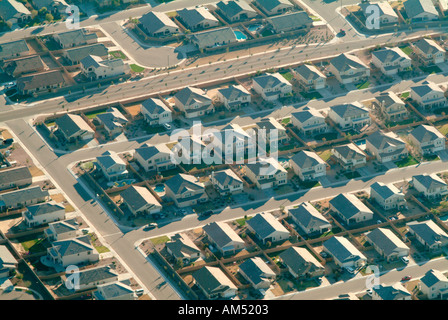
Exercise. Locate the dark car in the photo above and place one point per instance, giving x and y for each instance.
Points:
(207, 213)
(8, 141)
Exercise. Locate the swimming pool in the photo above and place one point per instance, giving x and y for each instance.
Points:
(159, 188)
(254, 27)
(239, 35)
(360, 142)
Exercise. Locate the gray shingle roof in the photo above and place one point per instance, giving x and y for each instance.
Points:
(214, 37)
(96, 275)
(349, 110)
(288, 21)
(109, 159)
(383, 141)
(75, 37)
(44, 208)
(428, 46)
(350, 152)
(24, 65)
(233, 8)
(429, 231)
(416, 7)
(300, 260)
(227, 177)
(211, 278)
(138, 197)
(307, 159)
(385, 190)
(61, 227)
(305, 115)
(71, 124)
(77, 54)
(221, 233)
(269, 81)
(308, 216)
(394, 292)
(40, 80)
(348, 205)
(189, 95)
(425, 133)
(11, 8)
(390, 55)
(264, 224)
(181, 246)
(343, 250)
(386, 240)
(12, 175)
(154, 21)
(182, 183)
(155, 106)
(13, 48)
(433, 277)
(345, 62)
(272, 4)
(309, 72)
(193, 17)
(425, 88)
(73, 246)
(429, 181)
(113, 290)
(22, 195)
(234, 92)
(256, 270)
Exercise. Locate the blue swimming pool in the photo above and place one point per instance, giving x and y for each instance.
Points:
(254, 27)
(360, 142)
(159, 188)
(239, 35)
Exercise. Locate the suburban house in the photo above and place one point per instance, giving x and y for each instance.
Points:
(223, 237)
(194, 102)
(387, 244)
(22, 198)
(308, 165)
(158, 24)
(185, 190)
(75, 55)
(429, 51)
(301, 264)
(428, 96)
(391, 60)
(272, 7)
(75, 38)
(73, 127)
(8, 263)
(43, 82)
(74, 251)
(197, 18)
(391, 106)
(257, 273)
(309, 219)
(16, 177)
(309, 122)
(14, 11)
(434, 284)
(154, 158)
(387, 196)
(266, 173)
(350, 209)
(43, 213)
(139, 200)
(236, 10)
(183, 249)
(427, 139)
(13, 49)
(309, 77)
(267, 228)
(344, 252)
(54, 6)
(95, 68)
(350, 115)
(386, 146)
(421, 10)
(349, 69)
(226, 182)
(214, 283)
(213, 38)
(429, 234)
(271, 86)
(114, 291)
(23, 65)
(91, 278)
(271, 131)
(62, 230)
(387, 15)
(113, 121)
(290, 22)
(394, 292)
(443, 5)
(112, 166)
(156, 112)
(349, 156)
(234, 97)
(432, 186)
(189, 150)
(232, 141)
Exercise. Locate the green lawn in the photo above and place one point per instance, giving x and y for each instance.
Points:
(328, 136)
(311, 95)
(92, 115)
(287, 75)
(405, 95)
(309, 184)
(325, 155)
(443, 129)
(286, 121)
(407, 49)
(118, 55)
(242, 221)
(137, 68)
(363, 85)
(34, 245)
(160, 240)
(409, 161)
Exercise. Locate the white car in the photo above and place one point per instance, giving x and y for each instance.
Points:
(405, 259)
(369, 292)
(350, 270)
(167, 126)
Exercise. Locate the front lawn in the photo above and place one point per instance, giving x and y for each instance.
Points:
(406, 162)
(309, 184)
(363, 85)
(137, 68)
(118, 55)
(243, 220)
(160, 240)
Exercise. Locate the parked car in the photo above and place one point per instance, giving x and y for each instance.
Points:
(139, 292)
(167, 126)
(405, 259)
(350, 270)
(150, 226)
(406, 278)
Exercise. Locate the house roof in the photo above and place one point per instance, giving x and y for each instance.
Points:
(424, 133)
(73, 246)
(388, 99)
(349, 110)
(181, 246)
(214, 37)
(64, 226)
(77, 54)
(211, 278)
(300, 260)
(290, 20)
(386, 240)
(272, 4)
(147, 151)
(109, 158)
(96, 275)
(45, 208)
(221, 234)
(75, 37)
(256, 270)
(6, 257)
(233, 92)
(71, 124)
(22, 195)
(10, 8)
(385, 190)
(113, 290)
(40, 80)
(415, 7)
(190, 95)
(433, 277)
(227, 177)
(265, 224)
(270, 81)
(349, 152)
(348, 205)
(343, 250)
(182, 183)
(153, 21)
(307, 159)
(112, 119)
(12, 175)
(393, 292)
(270, 124)
(425, 88)
(384, 7)
(383, 140)
(308, 216)
(430, 181)
(307, 114)
(268, 166)
(9, 49)
(193, 17)
(309, 72)
(137, 197)
(391, 55)
(155, 106)
(24, 65)
(48, 3)
(345, 62)
(428, 230)
(428, 46)
(96, 62)
(234, 7)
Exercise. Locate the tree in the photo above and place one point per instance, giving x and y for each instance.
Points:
(34, 13)
(49, 17)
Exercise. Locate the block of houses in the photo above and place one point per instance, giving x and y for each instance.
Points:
(112, 166)
(139, 200)
(62, 230)
(234, 97)
(156, 112)
(16, 177)
(391, 60)
(434, 284)
(183, 249)
(74, 251)
(75, 55)
(267, 228)
(394, 292)
(266, 173)
(158, 24)
(431, 185)
(310, 78)
(53, 6)
(223, 237)
(309, 122)
(194, 102)
(387, 15)
(257, 273)
(113, 121)
(349, 156)
(43, 213)
(14, 11)
(23, 198)
(271, 130)
(308, 165)
(350, 115)
(43, 82)
(348, 68)
(429, 234)
(387, 244)
(427, 139)
(386, 146)
(73, 127)
(95, 68)
(272, 7)
(214, 283)
(301, 264)
(114, 291)
(429, 51)
(24, 65)
(154, 158)
(421, 10)
(271, 86)
(391, 106)
(236, 10)
(344, 252)
(428, 96)
(226, 182)
(8, 264)
(91, 278)
(13, 49)
(290, 22)
(309, 219)
(213, 38)
(197, 18)
(185, 190)
(387, 196)
(350, 208)
(75, 38)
